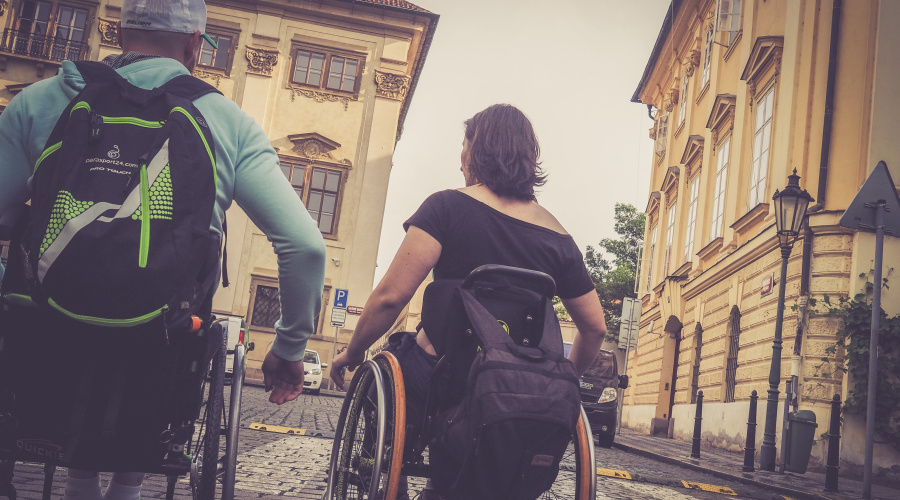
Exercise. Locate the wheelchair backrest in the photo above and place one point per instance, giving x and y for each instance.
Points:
(518, 298)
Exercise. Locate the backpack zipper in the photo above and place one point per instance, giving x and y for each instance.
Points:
(145, 217)
(94, 320)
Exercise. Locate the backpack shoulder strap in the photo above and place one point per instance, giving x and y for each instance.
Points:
(95, 71)
(189, 87)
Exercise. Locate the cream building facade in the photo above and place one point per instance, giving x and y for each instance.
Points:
(742, 93)
(330, 82)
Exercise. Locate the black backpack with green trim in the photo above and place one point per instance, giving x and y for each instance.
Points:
(121, 203)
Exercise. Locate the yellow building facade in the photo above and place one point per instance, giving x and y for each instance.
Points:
(742, 93)
(330, 82)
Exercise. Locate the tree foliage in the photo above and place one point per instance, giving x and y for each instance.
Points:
(613, 267)
(852, 349)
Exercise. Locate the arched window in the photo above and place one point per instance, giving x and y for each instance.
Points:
(734, 335)
(695, 376)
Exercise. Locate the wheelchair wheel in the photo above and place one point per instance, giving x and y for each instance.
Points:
(233, 421)
(577, 471)
(204, 465)
(368, 450)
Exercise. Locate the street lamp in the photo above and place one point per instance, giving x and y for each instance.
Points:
(790, 209)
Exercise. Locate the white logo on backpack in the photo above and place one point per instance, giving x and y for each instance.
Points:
(114, 152)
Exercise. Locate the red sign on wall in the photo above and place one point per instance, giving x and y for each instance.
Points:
(768, 283)
(354, 310)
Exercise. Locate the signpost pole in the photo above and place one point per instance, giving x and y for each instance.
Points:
(333, 354)
(624, 372)
(630, 323)
(869, 212)
(873, 346)
(338, 317)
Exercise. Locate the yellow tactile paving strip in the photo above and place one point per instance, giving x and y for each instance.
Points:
(278, 428)
(621, 474)
(613, 473)
(725, 490)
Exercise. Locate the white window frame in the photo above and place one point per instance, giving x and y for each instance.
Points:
(718, 213)
(670, 237)
(707, 56)
(651, 250)
(692, 218)
(728, 18)
(684, 99)
(662, 130)
(762, 142)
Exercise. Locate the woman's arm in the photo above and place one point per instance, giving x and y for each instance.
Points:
(587, 313)
(416, 256)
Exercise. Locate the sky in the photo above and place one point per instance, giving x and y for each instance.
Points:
(572, 67)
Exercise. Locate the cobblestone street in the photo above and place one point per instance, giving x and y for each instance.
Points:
(276, 465)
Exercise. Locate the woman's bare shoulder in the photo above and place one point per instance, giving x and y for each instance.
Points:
(546, 219)
(528, 211)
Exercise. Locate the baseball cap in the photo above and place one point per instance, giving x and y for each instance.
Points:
(178, 16)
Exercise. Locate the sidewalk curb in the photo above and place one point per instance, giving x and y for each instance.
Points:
(726, 475)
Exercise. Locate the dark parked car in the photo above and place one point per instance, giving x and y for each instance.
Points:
(600, 386)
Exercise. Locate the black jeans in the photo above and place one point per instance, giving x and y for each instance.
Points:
(417, 366)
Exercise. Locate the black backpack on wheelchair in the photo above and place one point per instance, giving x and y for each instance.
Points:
(503, 419)
(509, 399)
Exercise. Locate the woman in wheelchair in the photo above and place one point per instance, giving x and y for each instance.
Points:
(494, 219)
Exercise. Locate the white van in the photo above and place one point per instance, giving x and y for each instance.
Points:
(312, 372)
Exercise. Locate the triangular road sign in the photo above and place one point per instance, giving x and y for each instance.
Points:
(878, 187)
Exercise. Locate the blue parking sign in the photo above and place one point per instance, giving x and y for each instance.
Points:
(340, 298)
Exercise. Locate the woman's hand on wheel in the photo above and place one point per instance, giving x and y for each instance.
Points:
(341, 363)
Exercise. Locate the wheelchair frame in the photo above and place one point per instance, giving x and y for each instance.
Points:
(351, 476)
(199, 457)
(345, 474)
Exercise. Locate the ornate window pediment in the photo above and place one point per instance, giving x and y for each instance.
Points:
(670, 183)
(722, 110)
(693, 153)
(721, 119)
(765, 57)
(316, 147)
(766, 51)
(653, 203)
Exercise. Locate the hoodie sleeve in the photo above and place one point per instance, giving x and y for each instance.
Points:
(25, 126)
(15, 168)
(259, 187)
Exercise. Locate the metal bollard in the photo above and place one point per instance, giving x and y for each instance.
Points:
(698, 417)
(834, 447)
(750, 448)
(786, 427)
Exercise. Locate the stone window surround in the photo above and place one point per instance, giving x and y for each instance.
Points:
(329, 51)
(264, 277)
(315, 150)
(225, 28)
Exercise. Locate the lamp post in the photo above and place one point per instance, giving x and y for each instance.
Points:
(790, 209)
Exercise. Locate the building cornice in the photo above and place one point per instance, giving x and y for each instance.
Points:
(661, 39)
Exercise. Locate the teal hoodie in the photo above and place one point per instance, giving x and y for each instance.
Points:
(248, 174)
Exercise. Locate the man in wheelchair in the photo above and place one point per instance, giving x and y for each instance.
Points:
(122, 392)
(493, 220)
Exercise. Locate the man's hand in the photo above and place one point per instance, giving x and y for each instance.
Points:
(283, 378)
(340, 364)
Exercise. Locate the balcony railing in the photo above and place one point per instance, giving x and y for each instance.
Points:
(42, 46)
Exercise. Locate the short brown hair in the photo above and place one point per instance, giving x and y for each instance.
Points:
(504, 152)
